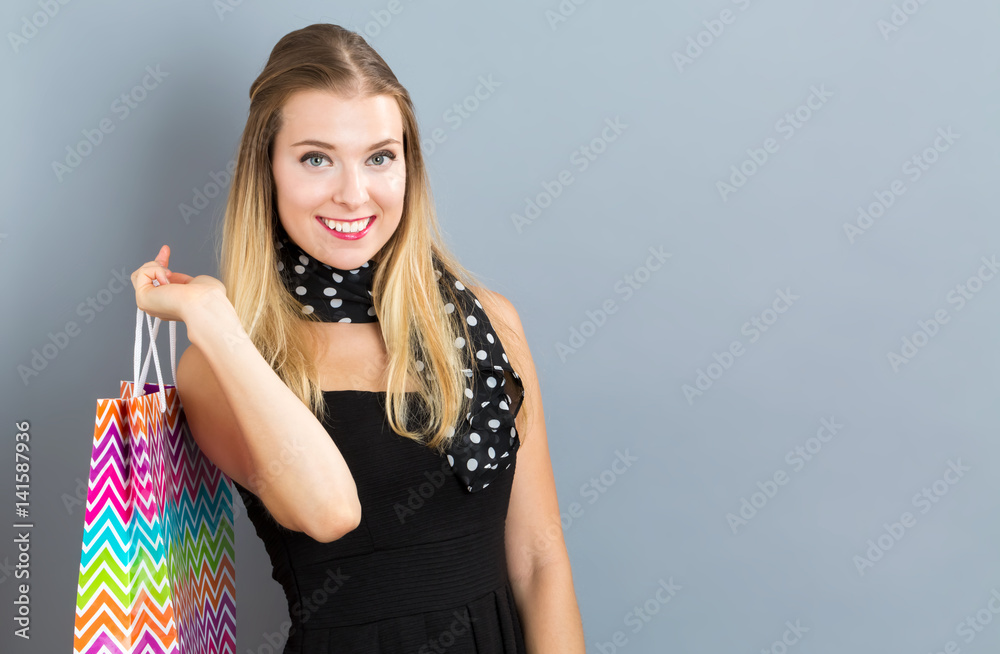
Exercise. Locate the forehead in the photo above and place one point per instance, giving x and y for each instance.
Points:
(348, 123)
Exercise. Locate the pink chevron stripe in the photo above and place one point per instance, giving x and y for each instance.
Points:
(106, 498)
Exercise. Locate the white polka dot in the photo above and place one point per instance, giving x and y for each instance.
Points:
(491, 382)
(300, 269)
(449, 432)
(478, 305)
(513, 432)
(489, 337)
(472, 464)
(494, 423)
(459, 285)
(329, 290)
(492, 453)
(448, 308)
(307, 309)
(459, 342)
(344, 320)
(451, 460)
(371, 311)
(503, 405)
(437, 274)
(301, 290)
(474, 437)
(281, 266)
(304, 259)
(471, 320)
(338, 278)
(481, 354)
(486, 484)
(468, 393)
(420, 366)
(504, 355)
(336, 302)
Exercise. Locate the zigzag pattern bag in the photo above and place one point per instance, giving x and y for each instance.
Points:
(157, 566)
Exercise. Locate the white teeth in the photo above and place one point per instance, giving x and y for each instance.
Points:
(347, 228)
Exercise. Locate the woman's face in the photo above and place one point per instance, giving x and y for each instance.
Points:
(338, 163)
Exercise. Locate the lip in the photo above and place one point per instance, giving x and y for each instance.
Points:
(348, 237)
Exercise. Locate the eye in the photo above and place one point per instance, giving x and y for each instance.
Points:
(313, 155)
(383, 155)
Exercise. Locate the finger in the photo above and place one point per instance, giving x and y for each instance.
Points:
(163, 256)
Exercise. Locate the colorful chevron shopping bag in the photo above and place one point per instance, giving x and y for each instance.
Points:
(157, 567)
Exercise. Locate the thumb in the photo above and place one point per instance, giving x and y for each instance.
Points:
(163, 256)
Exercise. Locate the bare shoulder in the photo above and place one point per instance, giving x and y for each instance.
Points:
(497, 305)
(501, 309)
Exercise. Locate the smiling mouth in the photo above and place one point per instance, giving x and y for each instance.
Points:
(353, 226)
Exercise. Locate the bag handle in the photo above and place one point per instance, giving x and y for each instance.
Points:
(140, 378)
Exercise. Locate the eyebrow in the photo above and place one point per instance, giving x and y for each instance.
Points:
(328, 146)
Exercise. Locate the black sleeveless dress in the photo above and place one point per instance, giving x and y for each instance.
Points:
(425, 571)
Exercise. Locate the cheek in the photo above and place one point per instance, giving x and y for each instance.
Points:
(391, 189)
(296, 189)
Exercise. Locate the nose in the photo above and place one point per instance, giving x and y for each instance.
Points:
(350, 189)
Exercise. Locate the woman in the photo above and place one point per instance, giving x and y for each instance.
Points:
(363, 395)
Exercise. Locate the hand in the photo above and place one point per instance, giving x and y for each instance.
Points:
(168, 295)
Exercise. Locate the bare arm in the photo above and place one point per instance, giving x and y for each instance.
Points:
(537, 559)
(257, 431)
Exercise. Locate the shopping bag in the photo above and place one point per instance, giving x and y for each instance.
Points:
(157, 563)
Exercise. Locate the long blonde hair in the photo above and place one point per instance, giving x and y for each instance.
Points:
(407, 297)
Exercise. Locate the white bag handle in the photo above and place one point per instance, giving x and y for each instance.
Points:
(140, 378)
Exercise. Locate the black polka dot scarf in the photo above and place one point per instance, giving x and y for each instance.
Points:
(487, 438)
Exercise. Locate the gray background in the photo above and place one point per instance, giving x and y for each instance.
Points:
(655, 185)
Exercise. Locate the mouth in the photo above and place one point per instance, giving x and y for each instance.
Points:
(351, 230)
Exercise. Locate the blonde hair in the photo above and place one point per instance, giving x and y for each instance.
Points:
(407, 297)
